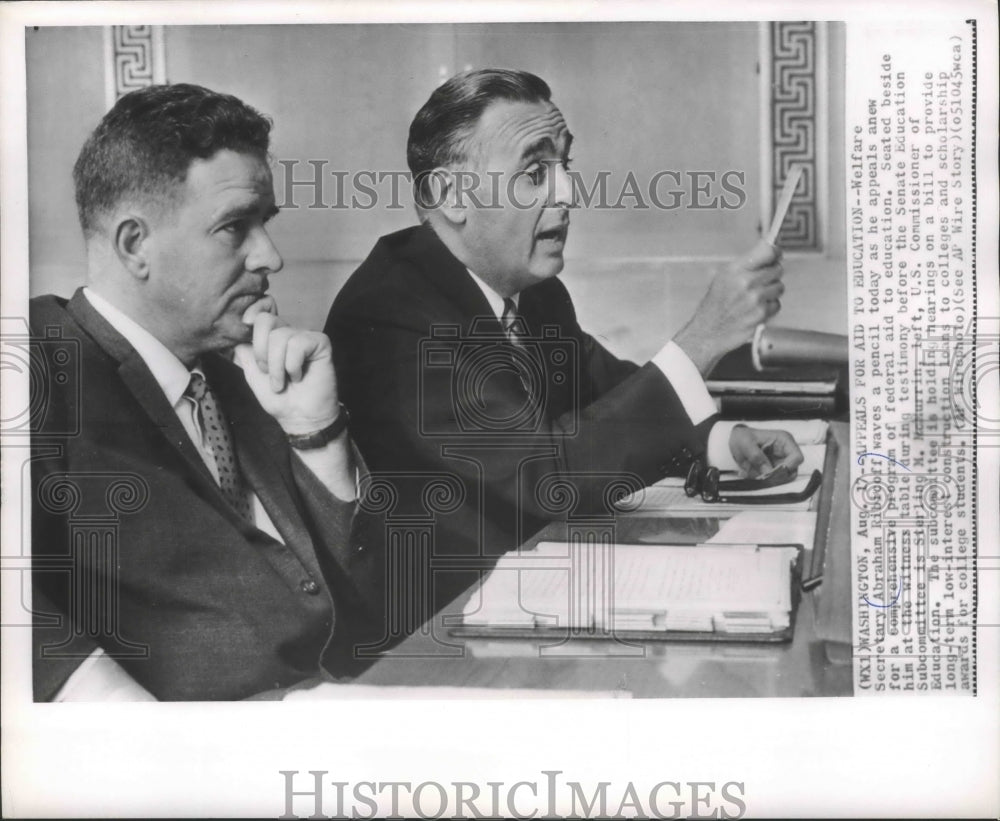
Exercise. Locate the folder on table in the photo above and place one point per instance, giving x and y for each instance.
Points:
(707, 592)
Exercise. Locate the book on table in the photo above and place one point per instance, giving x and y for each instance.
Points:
(740, 390)
(735, 374)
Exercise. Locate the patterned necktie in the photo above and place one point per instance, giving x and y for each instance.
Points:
(215, 431)
(513, 327)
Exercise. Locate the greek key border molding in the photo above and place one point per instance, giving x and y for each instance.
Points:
(793, 73)
(133, 58)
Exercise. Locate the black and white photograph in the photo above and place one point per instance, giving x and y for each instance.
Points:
(477, 404)
(486, 308)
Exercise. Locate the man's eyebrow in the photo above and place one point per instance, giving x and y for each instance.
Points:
(247, 210)
(544, 145)
(540, 146)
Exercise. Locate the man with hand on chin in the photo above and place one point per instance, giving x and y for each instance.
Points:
(458, 348)
(211, 429)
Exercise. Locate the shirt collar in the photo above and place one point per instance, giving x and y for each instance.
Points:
(168, 371)
(495, 300)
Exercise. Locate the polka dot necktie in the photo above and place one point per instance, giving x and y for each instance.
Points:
(215, 432)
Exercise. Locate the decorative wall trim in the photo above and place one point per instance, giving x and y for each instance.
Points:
(133, 58)
(792, 75)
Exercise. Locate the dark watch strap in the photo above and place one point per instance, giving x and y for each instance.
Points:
(310, 441)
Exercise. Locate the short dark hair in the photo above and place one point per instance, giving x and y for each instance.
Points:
(145, 144)
(440, 131)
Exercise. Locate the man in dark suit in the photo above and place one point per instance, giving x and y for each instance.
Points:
(193, 488)
(458, 350)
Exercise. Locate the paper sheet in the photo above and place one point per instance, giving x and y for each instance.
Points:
(762, 526)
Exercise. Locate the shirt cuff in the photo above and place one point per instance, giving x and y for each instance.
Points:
(686, 381)
(719, 455)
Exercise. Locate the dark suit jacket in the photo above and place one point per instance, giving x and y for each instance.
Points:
(136, 550)
(420, 363)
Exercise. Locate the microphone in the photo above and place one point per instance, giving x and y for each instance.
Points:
(782, 347)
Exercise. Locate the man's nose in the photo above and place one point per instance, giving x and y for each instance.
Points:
(562, 189)
(263, 257)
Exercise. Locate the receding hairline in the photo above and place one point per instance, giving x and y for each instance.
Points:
(440, 132)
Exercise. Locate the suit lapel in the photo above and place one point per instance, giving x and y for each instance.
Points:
(260, 445)
(422, 248)
(137, 377)
(540, 310)
(147, 392)
(425, 251)
(263, 456)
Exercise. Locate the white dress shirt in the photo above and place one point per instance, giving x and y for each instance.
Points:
(682, 375)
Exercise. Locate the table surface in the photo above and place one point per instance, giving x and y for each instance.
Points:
(815, 663)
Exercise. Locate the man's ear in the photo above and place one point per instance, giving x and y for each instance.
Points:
(446, 195)
(131, 243)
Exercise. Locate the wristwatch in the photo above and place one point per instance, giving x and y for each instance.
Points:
(311, 441)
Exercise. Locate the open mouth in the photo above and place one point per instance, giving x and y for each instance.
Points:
(557, 234)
